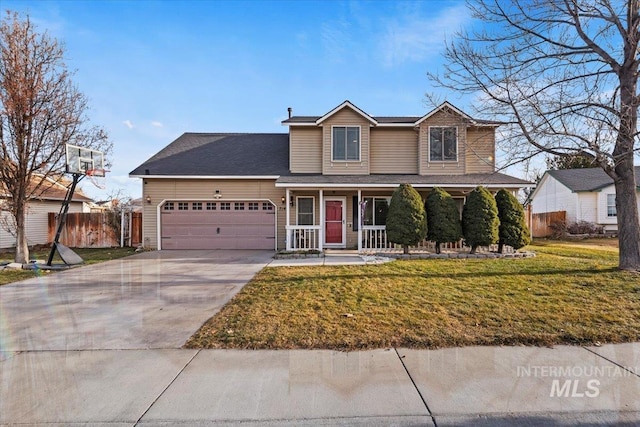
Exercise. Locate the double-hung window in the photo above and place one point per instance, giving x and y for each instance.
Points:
(443, 144)
(305, 210)
(611, 205)
(375, 210)
(346, 143)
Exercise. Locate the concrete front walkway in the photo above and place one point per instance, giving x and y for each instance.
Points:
(100, 345)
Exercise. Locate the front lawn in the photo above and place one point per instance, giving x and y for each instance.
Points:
(571, 293)
(89, 255)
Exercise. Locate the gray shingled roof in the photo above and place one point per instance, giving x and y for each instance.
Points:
(492, 179)
(221, 154)
(589, 179)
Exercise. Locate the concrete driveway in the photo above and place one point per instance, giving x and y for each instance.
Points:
(149, 300)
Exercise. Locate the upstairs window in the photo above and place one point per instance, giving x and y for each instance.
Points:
(346, 143)
(611, 205)
(443, 144)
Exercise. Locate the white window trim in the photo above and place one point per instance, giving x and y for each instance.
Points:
(313, 208)
(614, 205)
(345, 147)
(457, 144)
(388, 198)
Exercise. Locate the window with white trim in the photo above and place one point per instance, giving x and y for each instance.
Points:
(305, 210)
(266, 206)
(443, 144)
(196, 206)
(211, 206)
(169, 206)
(345, 143)
(183, 206)
(225, 206)
(375, 210)
(611, 205)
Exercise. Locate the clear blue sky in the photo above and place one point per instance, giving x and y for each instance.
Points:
(155, 69)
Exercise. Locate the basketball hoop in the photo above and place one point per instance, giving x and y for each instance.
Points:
(97, 177)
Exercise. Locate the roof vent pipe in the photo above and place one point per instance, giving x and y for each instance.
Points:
(290, 110)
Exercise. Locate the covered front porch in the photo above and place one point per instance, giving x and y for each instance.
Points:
(349, 211)
(346, 218)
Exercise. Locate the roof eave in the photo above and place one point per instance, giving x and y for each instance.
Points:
(205, 176)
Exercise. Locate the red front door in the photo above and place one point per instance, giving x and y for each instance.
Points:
(333, 222)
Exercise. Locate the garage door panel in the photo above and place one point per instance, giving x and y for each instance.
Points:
(218, 229)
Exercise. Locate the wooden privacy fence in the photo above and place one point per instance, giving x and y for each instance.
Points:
(541, 222)
(86, 230)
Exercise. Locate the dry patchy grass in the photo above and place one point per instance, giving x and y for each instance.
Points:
(567, 295)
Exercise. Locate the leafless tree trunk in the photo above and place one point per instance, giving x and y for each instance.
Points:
(40, 111)
(563, 76)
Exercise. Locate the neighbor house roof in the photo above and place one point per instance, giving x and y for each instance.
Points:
(53, 188)
(588, 179)
(220, 154)
(484, 179)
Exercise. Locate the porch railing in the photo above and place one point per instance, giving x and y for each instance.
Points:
(303, 237)
(374, 238)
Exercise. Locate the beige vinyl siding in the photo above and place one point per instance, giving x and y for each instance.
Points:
(480, 150)
(442, 118)
(305, 149)
(394, 151)
(37, 222)
(345, 117)
(204, 190)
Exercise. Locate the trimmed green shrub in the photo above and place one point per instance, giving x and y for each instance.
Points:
(480, 219)
(513, 229)
(406, 222)
(443, 218)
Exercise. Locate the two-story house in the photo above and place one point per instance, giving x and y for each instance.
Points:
(324, 184)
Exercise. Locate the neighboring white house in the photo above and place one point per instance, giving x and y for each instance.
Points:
(584, 194)
(49, 200)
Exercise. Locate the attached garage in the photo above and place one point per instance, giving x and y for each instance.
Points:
(238, 224)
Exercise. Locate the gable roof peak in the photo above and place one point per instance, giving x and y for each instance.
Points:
(351, 105)
(447, 105)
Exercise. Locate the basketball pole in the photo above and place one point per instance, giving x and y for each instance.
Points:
(62, 216)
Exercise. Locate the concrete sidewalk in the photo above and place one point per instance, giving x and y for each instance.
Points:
(487, 386)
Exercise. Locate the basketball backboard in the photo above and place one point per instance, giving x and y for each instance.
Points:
(81, 159)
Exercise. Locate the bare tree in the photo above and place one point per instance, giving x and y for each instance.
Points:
(563, 75)
(40, 111)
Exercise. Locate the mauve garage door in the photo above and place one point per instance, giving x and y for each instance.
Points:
(218, 225)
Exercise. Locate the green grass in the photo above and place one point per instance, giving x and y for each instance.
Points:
(571, 293)
(90, 256)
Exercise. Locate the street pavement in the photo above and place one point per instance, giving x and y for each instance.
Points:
(101, 345)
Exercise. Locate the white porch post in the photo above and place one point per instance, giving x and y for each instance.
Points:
(321, 231)
(359, 220)
(287, 220)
